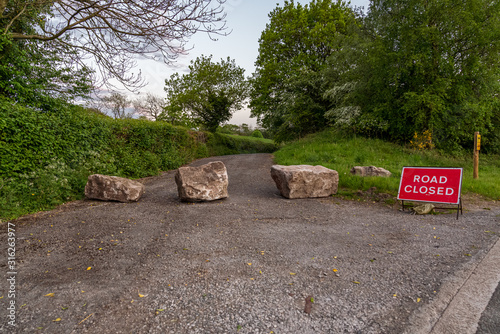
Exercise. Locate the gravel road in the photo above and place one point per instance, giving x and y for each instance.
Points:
(246, 264)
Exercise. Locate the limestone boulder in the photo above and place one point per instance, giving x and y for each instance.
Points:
(113, 188)
(204, 183)
(304, 181)
(370, 171)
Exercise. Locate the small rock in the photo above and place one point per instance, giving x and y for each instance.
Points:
(370, 171)
(423, 209)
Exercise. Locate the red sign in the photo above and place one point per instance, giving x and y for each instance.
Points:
(431, 184)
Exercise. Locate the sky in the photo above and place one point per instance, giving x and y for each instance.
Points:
(246, 19)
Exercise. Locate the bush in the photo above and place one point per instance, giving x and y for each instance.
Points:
(257, 134)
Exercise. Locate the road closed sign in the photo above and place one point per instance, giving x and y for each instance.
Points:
(431, 184)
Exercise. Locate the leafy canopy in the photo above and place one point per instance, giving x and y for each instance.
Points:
(286, 93)
(420, 66)
(32, 72)
(210, 92)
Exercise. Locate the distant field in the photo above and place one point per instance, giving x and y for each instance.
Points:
(340, 152)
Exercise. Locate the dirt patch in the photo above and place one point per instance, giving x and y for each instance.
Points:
(246, 264)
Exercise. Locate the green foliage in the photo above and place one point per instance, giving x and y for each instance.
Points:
(257, 134)
(210, 92)
(47, 156)
(221, 144)
(421, 66)
(287, 87)
(33, 72)
(341, 151)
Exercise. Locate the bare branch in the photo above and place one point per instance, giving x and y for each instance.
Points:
(15, 18)
(115, 33)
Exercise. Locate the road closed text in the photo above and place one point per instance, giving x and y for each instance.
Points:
(429, 189)
(427, 184)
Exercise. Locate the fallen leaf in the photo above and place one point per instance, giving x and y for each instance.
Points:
(141, 296)
(64, 308)
(49, 295)
(249, 264)
(309, 302)
(86, 318)
(89, 268)
(293, 274)
(57, 320)
(335, 270)
(418, 300)
(356, 282)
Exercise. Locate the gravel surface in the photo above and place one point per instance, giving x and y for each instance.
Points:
(246, 264)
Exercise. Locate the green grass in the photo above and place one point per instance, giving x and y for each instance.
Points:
(223, 144)
(341, 152)
(254, 139)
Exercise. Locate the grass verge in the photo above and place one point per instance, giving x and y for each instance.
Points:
(341, 152)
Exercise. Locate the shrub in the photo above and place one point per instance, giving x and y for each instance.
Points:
(257, 134)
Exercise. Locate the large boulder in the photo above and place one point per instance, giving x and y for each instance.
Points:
(205, 183)
(370, 171)
(303, 181)
(113, 188)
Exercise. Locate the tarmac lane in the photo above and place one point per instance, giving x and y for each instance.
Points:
(490, 319)
(251, 263)
(468, 301)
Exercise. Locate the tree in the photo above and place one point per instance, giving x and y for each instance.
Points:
(150, 105)
(32, 73)
(175, 115)
(112, 33)
(431, 66)
(287, 87)
(117, 103)
(210, 92)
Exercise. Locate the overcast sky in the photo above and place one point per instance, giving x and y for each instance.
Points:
(246, 19)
